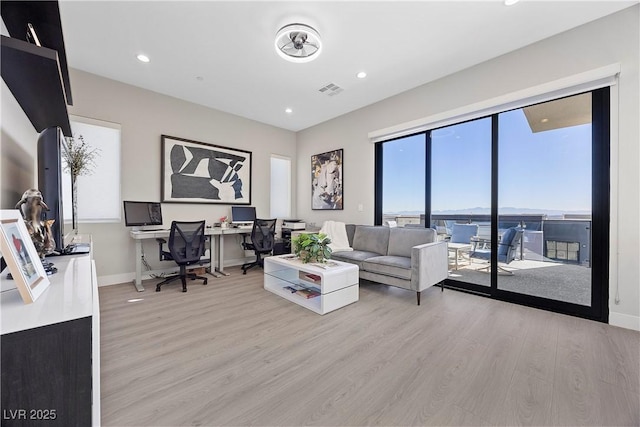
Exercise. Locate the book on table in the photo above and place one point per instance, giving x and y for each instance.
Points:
(310, 277)
(308, 293)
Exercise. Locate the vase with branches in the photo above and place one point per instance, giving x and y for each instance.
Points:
(80, 159)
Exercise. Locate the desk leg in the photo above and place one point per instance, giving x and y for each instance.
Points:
(138, 280)
(220, 244)
(212, 258)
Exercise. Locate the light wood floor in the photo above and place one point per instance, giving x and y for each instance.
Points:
(230, 353)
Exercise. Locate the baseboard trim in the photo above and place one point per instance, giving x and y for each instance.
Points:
(117, 279)
(624, 321)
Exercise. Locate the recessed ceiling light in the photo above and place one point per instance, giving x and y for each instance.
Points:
(288, 111)
(142, 58)
(361, 75)
(544, 120)
(510, 2)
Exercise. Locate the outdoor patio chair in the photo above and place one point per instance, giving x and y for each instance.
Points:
(507, 249)
(462, 233)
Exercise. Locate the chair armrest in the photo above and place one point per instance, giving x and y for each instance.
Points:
(429, 265)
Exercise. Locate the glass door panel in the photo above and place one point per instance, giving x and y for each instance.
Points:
(544, 200)
(461, 197)
(403, 181)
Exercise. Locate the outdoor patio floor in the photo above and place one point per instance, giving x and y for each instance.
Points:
(547, 279)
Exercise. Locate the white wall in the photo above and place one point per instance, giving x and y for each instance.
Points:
(18, 151)
(613, 39)
(144, 116)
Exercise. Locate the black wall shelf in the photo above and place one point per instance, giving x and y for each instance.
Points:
(34, 77)
(45, 18)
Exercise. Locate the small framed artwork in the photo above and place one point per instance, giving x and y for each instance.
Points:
(197, 172)
(20, 254)
(326, 181)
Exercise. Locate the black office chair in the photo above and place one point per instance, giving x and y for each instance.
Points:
(262, 241)
(186, 247)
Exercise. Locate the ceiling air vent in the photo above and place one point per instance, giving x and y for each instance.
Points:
(330, 89)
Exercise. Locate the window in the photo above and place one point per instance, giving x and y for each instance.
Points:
(403, 181)
(280, 186)
(99, 192)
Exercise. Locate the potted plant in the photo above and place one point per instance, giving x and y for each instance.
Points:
(312, 247)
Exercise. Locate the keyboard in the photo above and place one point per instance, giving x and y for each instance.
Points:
(77, 248)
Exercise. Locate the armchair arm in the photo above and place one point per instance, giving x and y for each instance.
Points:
(429, 265)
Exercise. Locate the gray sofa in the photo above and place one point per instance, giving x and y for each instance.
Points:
(408, 258)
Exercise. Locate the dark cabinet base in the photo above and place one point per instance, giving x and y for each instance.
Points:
(46, 375)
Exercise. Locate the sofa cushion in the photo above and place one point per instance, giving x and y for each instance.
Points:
(401, 240)
(395, 266)
(370, 238)
(354, 257)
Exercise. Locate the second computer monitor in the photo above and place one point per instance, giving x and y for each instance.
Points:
(243, 214)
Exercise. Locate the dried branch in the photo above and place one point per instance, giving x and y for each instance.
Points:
(79, 158)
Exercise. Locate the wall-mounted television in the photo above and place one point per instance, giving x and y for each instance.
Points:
(243, 214)
(141, 214)
(51, 181)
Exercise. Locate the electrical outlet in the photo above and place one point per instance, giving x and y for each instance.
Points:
(360, 207)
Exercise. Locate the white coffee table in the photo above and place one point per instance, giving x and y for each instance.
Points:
(335, 283)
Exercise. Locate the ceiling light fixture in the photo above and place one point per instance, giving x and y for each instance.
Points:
(288, 111)
(298, 43)
(510, 2)
(361, 75)
(142, 58)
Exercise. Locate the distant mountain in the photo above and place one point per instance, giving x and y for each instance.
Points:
(504, 211)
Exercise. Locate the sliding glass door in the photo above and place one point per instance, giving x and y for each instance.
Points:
(544, 193)
(461, 196)
(521, 198)
(403, 181)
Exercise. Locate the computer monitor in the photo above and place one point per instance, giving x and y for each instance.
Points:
(243, 214)
(140, 214)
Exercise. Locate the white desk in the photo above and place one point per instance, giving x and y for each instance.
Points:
(217, 263)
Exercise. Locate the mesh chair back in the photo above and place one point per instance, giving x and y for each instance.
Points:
(263, 234)
(186, 241)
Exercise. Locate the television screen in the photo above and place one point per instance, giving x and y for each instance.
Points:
(138, 214)
(243, 213)
(51, 182)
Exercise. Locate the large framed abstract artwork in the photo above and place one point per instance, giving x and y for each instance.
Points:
(326, 181)
(197, 172)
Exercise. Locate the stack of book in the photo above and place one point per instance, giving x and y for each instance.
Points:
(302, 291)
(310, 277)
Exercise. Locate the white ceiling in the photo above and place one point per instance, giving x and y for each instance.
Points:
(230, 46)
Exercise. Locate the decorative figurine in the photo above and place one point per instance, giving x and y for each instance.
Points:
(31, 206)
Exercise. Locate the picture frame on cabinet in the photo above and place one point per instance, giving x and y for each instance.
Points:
(21, 256)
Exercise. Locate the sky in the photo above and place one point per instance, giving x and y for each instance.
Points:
(549, 171)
